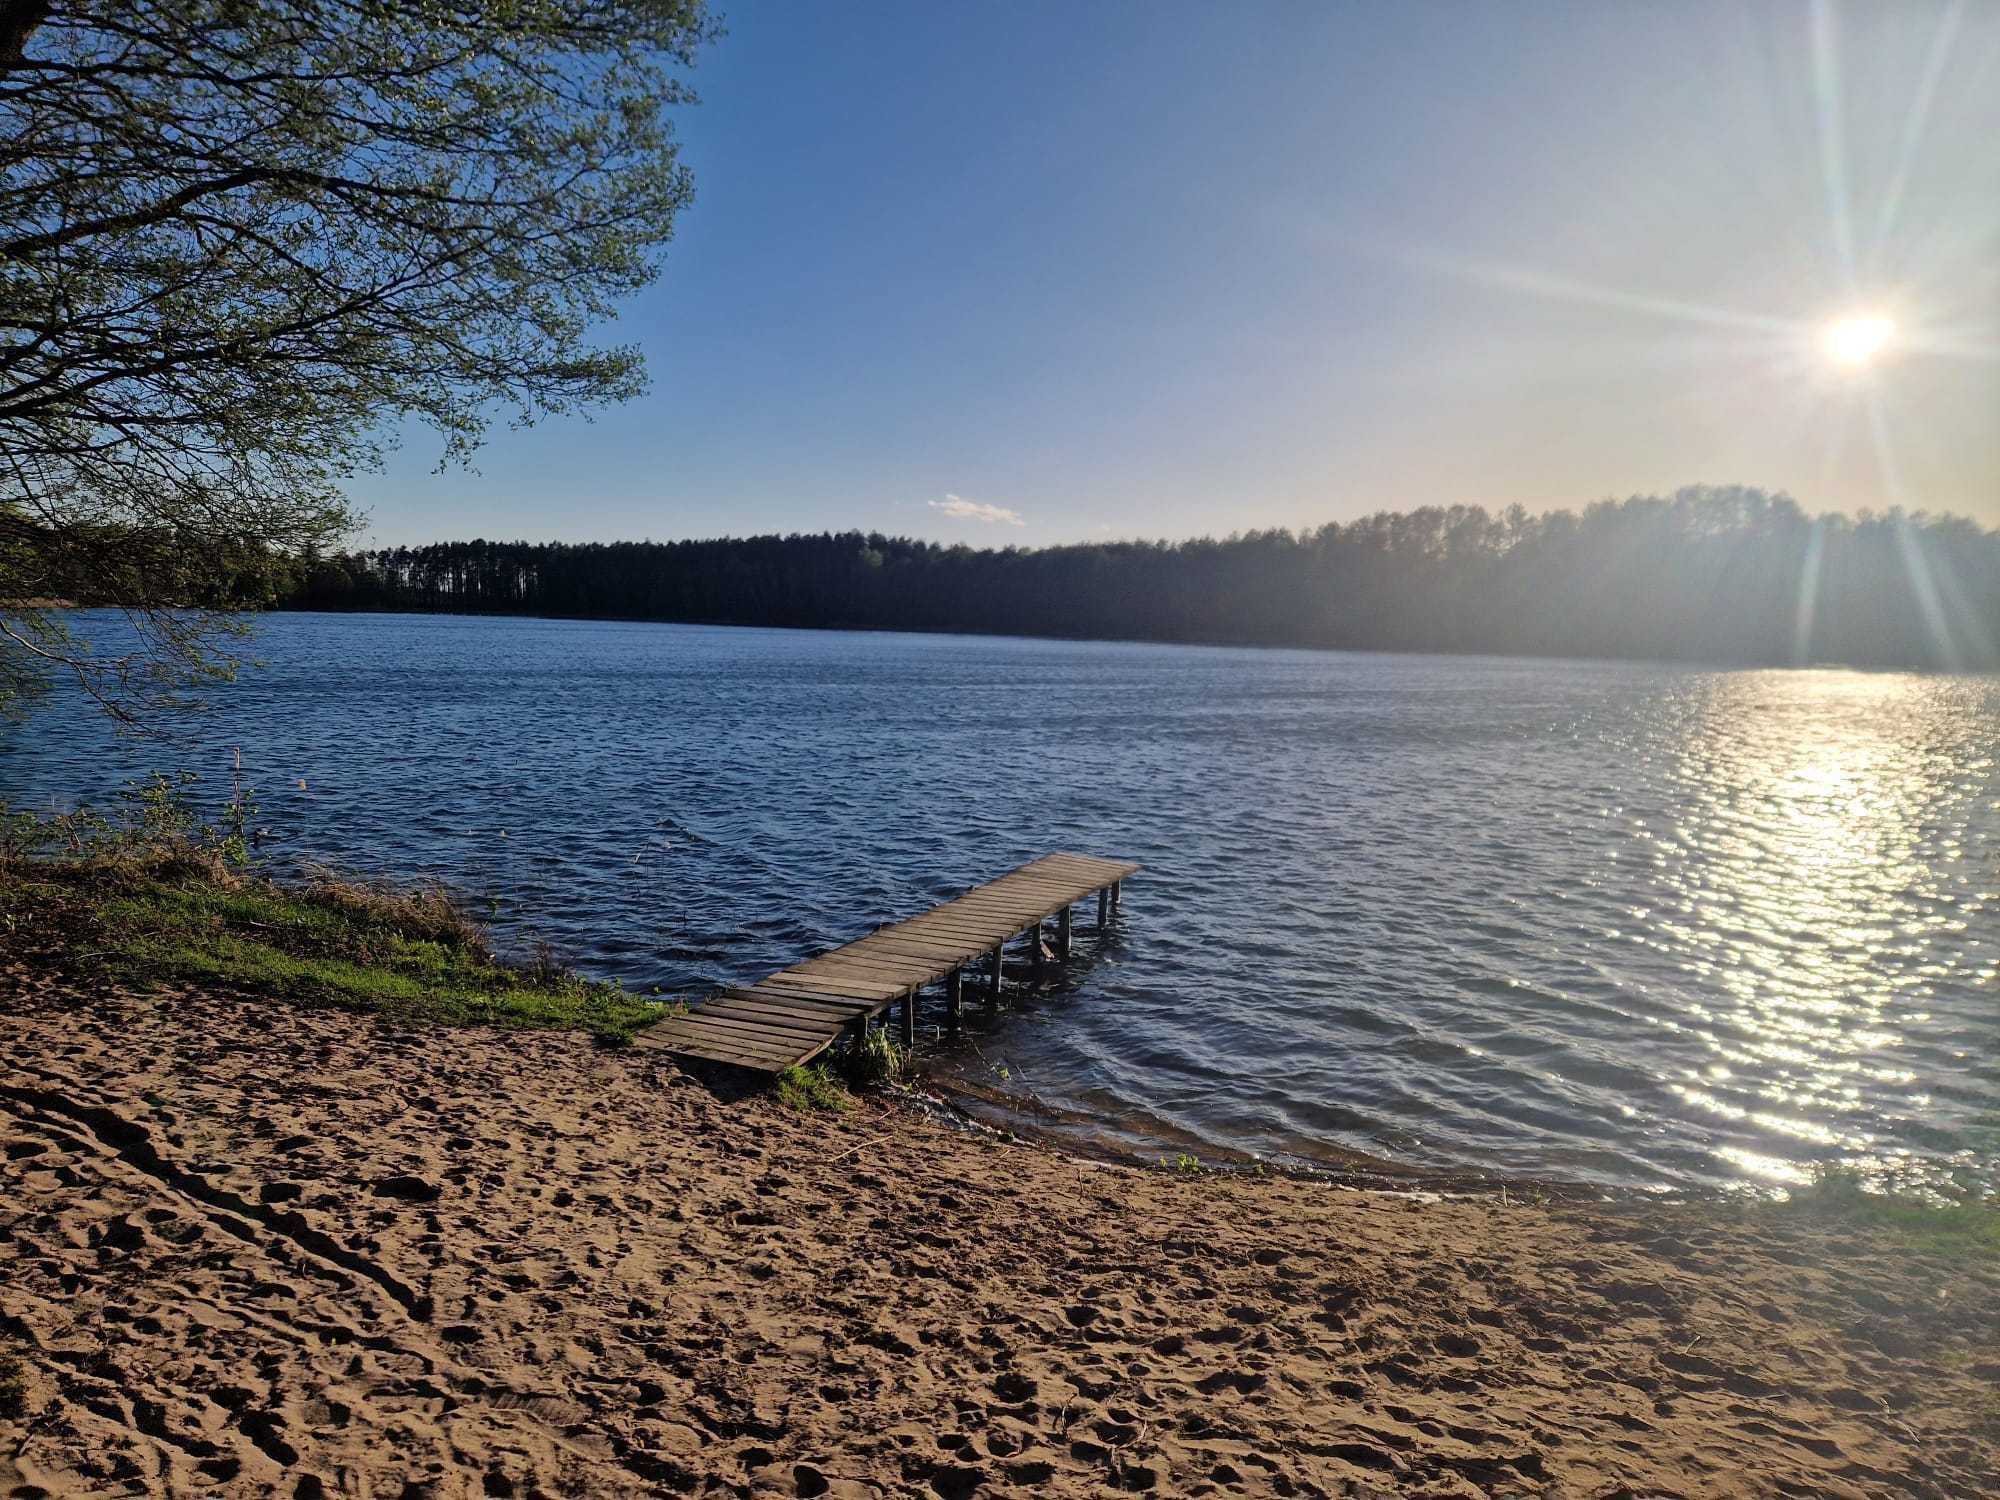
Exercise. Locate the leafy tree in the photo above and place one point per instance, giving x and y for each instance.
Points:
(241, 240)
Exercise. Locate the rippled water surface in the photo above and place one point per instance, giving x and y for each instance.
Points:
(1630, 924)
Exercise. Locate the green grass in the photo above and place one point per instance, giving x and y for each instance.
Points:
(875, 1059)
(410, 954)
(1836, 1196)
(810, 1088)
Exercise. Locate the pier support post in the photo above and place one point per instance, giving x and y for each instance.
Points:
(954, 998)
(1063, 935)
(1035, 958)
(1103, 908)
(993, 993)
(1117, 894)
(910, 1019)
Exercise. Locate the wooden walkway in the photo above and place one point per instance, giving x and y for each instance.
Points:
(796, 1013)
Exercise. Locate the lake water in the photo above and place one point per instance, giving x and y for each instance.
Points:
(1633, 925)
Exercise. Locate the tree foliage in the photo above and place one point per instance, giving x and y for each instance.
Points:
(1725, 575)
(240, 240)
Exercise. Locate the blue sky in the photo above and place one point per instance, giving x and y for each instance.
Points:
(1115, 269)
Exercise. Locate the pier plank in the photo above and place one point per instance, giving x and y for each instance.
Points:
(836, 984)
(777, 1037)
(939, 954)
(769, 1017)
(844, 1004)
(866, 970)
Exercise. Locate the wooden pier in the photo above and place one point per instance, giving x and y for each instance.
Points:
(795, 1014)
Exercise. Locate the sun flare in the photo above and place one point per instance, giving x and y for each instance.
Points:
(1857, 340)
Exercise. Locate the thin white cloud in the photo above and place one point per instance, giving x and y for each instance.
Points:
(961, 509)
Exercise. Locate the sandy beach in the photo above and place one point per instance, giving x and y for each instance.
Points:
(256, 1250)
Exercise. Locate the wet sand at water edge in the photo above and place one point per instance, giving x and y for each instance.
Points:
(255, 1250)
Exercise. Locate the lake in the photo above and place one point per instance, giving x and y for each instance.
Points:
(1625, 924)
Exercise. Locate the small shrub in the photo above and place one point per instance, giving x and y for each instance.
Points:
(236, 834)
(812, 1088)
(546, 967)
(157, 809)
(154, 826)
(876, 1059)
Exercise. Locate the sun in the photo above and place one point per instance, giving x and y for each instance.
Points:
(1858, 339)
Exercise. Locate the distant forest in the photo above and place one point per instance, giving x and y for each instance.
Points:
(1711, 574)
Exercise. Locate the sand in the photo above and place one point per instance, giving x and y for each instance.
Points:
(263, 1251)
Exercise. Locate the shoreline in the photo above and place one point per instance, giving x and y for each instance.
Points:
(1346, 1169)
(256, 1248)
(1686, 663)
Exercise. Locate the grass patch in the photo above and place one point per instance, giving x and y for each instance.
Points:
(406, 953)
(1840, 1196)
(811, 1088)
(875, 1059)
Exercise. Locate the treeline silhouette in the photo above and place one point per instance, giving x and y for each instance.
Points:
(1722, 574)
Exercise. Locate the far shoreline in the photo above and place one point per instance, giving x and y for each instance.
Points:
(1691, 664)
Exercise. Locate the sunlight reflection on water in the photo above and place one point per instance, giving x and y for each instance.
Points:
(1821, 882)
